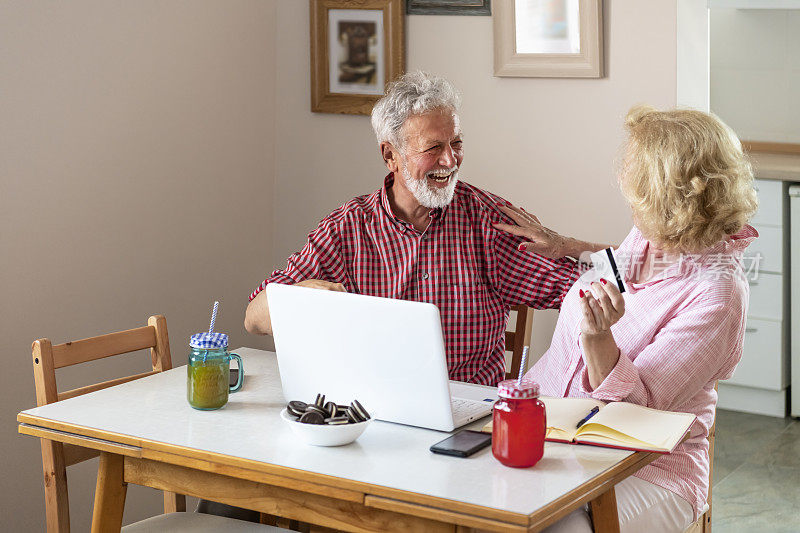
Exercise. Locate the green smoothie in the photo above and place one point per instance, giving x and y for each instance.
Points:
(207, 384)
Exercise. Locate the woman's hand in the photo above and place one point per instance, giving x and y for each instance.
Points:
(539, 239)
(602, 307)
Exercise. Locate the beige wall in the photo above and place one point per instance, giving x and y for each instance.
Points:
(136, 177)
(755, 72)
(546, 144)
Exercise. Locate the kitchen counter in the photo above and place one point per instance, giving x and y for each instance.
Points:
(783, 167)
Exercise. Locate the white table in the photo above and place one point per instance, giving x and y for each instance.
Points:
(245, 455)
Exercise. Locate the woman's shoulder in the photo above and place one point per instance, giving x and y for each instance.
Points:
(729, 292)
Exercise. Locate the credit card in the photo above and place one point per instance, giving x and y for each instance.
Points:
(604, 265)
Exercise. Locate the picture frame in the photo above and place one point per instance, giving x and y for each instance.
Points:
(357, 47)
(449, 7)
(548, 39)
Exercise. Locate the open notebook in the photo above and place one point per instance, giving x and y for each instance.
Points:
(617, 425)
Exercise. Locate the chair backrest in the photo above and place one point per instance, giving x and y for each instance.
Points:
(46, 359)
(712, 433)
(519, 338)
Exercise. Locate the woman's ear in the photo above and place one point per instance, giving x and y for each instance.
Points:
(391, 157)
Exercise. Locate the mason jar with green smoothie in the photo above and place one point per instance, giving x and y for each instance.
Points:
(207, 380)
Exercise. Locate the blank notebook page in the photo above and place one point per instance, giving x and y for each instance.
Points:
(659, 428)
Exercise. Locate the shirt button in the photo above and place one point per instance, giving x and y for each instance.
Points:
(425, 275)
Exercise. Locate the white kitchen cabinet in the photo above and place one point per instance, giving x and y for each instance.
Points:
(766, 297)
(762, 361)
(759, 384)
(768, 247)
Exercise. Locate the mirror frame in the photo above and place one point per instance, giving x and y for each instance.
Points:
(586, 64)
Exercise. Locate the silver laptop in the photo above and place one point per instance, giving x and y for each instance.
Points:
(388, 354)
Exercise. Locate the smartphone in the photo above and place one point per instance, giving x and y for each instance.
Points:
(463, 444)
(234, 377)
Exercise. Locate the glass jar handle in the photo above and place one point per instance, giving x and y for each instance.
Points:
(240, 380)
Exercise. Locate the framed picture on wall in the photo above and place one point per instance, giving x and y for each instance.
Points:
(448, 7)
(548, 38)
(356, 48)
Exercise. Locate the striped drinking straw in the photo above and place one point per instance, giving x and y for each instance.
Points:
(523, 364)
(211, 326)
(213, 317)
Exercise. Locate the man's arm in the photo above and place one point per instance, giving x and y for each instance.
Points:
(256, 318)
(320, 259)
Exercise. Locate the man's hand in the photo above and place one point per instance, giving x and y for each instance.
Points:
(256, 318)
(540, 239)
(323, 285)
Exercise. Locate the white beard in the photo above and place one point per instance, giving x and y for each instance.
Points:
(428, 196)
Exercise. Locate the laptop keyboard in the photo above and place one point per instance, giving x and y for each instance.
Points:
(468, 409)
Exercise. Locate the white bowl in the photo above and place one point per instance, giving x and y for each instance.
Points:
(324, 434)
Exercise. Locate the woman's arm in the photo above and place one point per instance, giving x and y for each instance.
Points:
(542, 240)
(700, 344)
(600, 351)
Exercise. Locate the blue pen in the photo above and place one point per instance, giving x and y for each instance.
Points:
(593, 412)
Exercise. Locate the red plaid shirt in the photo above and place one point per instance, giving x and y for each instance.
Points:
(468, 269)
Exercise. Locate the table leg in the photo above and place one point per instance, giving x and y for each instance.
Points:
(174, 503)
(604, 512)
(109, 496)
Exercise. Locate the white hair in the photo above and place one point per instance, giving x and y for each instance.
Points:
(413, 93)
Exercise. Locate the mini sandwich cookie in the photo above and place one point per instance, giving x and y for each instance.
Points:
(296, 408)
(312, 417)
(359, 409)
(332, 409)
(320, 402)
(321, 412)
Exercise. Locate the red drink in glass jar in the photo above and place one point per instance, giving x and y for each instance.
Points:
(518, 424)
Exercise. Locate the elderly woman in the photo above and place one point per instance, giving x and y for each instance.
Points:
(680, 327)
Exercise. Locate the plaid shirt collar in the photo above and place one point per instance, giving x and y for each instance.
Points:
(435, 214)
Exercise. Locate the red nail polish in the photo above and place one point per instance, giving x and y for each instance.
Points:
(521, 247)
(582, 293)
(603, 281)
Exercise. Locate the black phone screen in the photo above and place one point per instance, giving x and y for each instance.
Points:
(463, 444)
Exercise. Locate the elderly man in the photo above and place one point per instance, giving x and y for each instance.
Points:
(426, 236)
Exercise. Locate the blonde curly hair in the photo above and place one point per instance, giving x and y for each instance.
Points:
(686, 178)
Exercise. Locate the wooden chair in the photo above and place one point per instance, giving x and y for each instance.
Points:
(703, 523)
(56, 456)
(519, 338)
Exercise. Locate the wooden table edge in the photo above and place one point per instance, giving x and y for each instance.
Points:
(250, 469)
(560, 507)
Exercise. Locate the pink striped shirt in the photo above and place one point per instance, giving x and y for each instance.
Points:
(681, 332)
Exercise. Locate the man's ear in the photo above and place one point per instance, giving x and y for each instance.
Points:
(390, 156)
